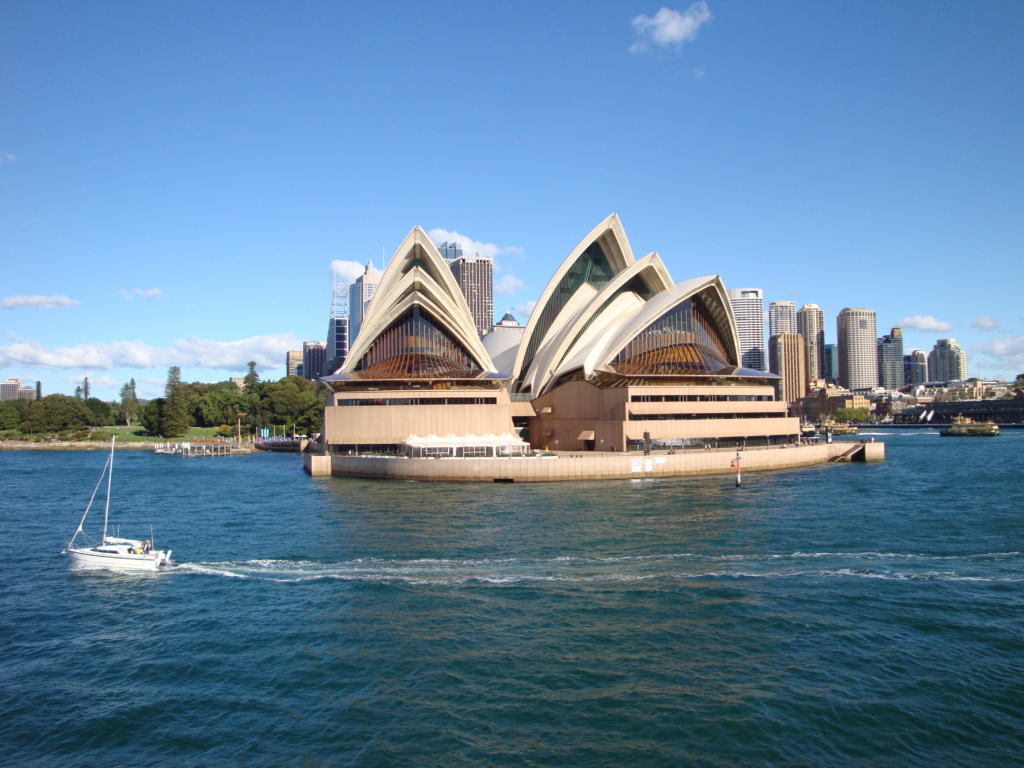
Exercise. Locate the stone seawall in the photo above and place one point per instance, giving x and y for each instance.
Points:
(67, 445)
(586, 466)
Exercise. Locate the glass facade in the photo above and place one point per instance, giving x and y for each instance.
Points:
(684, 340)
(591, 267)
(414, 347)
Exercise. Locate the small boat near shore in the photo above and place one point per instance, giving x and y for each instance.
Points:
(964, 426)
(838, 428)
(112, 552)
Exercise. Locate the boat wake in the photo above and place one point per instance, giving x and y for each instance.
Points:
(980, 567)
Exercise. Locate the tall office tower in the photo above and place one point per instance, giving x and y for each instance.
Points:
(810, 323)
(858, 357)
(360, 291)
(9, 389)
(748, 309)
(915, 368)
(947, 361)
(830, 363)
(337, 328)
(890, 359)
(27, 392)
(313, 360)
(450, 251)
(788, 356)
(781, 317)
(292, 363)
(475, 276)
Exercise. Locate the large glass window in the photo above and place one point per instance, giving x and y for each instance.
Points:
(414, 347)
(684, 340)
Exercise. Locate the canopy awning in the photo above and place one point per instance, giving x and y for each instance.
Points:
(586, 434)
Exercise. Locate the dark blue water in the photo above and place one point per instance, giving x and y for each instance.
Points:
(841, 615)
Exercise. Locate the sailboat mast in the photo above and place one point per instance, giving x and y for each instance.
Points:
(110, 477)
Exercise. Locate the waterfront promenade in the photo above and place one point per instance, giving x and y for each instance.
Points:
(589, 465)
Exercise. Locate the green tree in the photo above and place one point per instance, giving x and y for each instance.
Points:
(252, 380)
(85, 388)
(12, 412)
(149, 416)
(103, 414)
(173, 380)
(129, 403)
(852, 414)
(54, 413)
(174, 417)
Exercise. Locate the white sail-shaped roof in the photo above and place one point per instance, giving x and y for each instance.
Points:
(642, 280)
(417, 278)
(710, 289)
(598, 257)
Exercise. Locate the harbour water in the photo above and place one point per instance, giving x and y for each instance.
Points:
(864, 614)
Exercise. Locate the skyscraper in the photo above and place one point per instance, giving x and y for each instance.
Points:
(810, 323)
(830, 363)
(360, 292)
(312, 360)
(475, 276)
(292, 362)
(337, 328)
(9, 389)
(890, 359)
(947, 361)
(781, 318)
(788, 357)
(858, 356)
(748, 309)
(915, 368)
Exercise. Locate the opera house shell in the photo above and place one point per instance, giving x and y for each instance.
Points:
(615, 357)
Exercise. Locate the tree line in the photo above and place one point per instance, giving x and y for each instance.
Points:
(291, 403)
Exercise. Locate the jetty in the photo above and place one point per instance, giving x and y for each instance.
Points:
(202, 448)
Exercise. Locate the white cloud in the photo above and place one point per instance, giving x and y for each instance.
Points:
(470, 247)
(192, 352)
(508, 285)
(347, 270)
(7, 157)
(924, 323)
(985, 323)
(698, 73)
(1008, 352)
(668, 27)
(525, 309)
(145, 293)
(44, 302)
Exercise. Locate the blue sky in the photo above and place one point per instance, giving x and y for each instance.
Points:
(176, 179)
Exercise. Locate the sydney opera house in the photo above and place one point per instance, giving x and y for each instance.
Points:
(615, 357)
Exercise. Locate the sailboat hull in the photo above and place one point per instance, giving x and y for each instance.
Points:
(117, 561)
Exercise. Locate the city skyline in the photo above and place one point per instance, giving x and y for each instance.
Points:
(185, 206)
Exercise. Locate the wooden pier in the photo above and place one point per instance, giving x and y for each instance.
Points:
(201, 448)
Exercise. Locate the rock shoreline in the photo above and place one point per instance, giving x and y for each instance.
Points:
(67, 445)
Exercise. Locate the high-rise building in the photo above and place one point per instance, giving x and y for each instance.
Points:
(360, 291)
(9, 389)
(292, 362)
(475, 276)
(313, 359)
(830, 363)
(788, 357)
(890, 359)
(810, 323)
(947, 361)
(450, 251)
(748, 309)
(857, 340)
(781, 318)
(337, 328)
(915, 368)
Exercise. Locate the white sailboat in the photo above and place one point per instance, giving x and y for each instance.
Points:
(112, 552)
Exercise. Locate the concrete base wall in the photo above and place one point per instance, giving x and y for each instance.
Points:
(586, 466)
